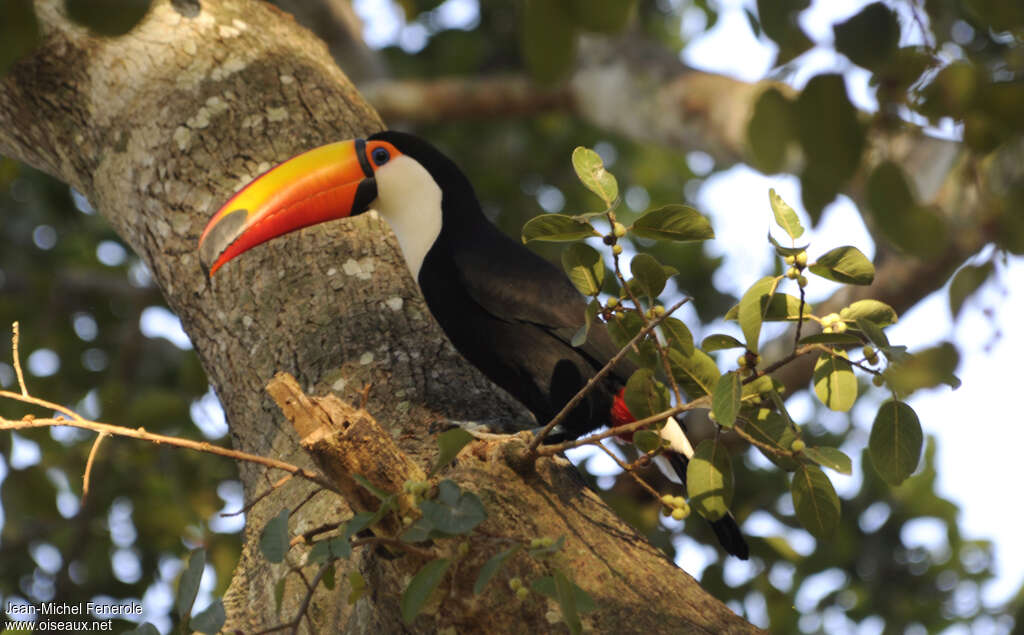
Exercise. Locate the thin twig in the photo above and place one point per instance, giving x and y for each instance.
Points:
(76, 421)
(17, 361)
(799, 320)
(89, 463)
(628, 469)
(564, 412)
(281, 481)
(701, 402)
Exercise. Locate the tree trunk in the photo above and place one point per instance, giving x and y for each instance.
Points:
(157, 128)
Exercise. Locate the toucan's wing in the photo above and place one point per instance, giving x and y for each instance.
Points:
(514, 284)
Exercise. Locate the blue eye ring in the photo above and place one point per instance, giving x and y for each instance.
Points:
(380, 156)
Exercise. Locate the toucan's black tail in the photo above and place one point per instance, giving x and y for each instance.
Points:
(726, 529)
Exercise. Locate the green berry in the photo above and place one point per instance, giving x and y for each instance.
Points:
(612, 303)
(877, 380)
(802, 281)
(679, 514)
(522, 593)
(515, 584)
(619, 229)
(616, 249)
(790, 259)
(801, 259)
(547, 542)
(666, 499)
(535, 543)
(659, 311)
(798, 445)
(463, 548)
(741, 361)
(839, 327)
(678, 501)
(792, 273)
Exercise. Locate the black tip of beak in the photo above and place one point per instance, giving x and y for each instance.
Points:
(224, 232)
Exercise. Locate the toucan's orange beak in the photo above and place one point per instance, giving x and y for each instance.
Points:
(329, 182)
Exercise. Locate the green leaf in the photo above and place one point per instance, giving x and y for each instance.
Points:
(188, 585)
(274, 538)
(645, 395)
(771, 131)
(772, 429)
(966, 281)
(590, 170)
(648, 276)
(720, 342)
(546, 587)
(677, 335)
(709, 479)
(832, 458)
(896, 441)
(878, 312)
(782, 306)
(924, 369)
(279, 594)
(873, 332)
(556, 228)
(844, 264)
(585, 268)
(725, 400)
(815, 501)
(751, 309)
(370, 487)
(449, 444)
(785, 216)
(492, 566)
(549, 40)
(330, 549)
(567, 602)
(785, 251)
(579, 338)
(834, 382)
(415, 596)
(673, 222)
(357, 584)
(914, 228)
(359, 522)
(870, 38)
(328, 578)
(696, 374)
(624, 327)
(832, 139)
(647, 441)
(455, 511)
(210, 620)
(840, 339)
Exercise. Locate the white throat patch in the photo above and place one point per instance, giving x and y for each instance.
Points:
(409, 199)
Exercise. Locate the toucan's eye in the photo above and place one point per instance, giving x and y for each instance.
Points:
(381, 156)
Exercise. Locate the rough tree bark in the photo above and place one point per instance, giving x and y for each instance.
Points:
(156, 129)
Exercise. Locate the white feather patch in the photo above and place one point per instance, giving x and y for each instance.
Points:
(409, 199)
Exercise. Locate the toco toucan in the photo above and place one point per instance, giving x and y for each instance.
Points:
(508, 311)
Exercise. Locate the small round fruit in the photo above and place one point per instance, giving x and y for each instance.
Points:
(619, 229)
(801, 259)
(616, 249)
(798, 445)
